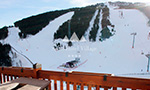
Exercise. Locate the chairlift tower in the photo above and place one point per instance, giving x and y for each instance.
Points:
(133, 38)
(69, 32)
(148, 56)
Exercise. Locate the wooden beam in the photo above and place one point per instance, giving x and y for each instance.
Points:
(112, 81)
(81, 78)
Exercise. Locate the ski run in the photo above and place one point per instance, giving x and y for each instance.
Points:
(114, 55)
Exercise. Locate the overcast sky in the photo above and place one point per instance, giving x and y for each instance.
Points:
(13, 10)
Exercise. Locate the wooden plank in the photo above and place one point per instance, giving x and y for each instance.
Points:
(98, 80)
(105, 88)
(55, 85)
(114, 88)
(12, 71)
(61, 85)
(88, 73)
(41, 84)
(49, 84)
(74, 86)
(89, 87)
(68, 86)
(8, 86)
(7, 77)
(1, 78)
(4, 78)
(20, 67)
(15, 77)
(82, 87)
(11, 77)
(80, 77)
(123, 88)
(97, 87)
(29, 87)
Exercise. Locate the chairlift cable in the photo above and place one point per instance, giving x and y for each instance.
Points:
(23, 55)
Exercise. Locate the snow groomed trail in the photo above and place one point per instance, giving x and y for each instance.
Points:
(114, 55)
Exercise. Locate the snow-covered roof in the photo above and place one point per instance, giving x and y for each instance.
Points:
(82, 39)
(65, 39)
(74, 38)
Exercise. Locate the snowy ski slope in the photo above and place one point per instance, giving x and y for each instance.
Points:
(114, 55)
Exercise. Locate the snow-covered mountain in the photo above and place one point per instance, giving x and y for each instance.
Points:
(114, 55)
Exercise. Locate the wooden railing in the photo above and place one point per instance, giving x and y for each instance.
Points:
(75, 80)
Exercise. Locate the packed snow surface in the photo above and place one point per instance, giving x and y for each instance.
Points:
(114, 55)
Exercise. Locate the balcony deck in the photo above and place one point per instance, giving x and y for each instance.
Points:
(75, 79)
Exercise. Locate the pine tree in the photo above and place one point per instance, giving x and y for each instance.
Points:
(105, 34)
(5, 60)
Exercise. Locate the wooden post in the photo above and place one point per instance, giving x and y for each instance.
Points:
(11, 77)
(89, 87)
(7, 77)
(68, 85)
(105, 88)
(36, 67)
(123, 88)
(114, 88)
(55, 84)
(49, 84)
(82, 86)
(1, 78)
(74, 86)
(61, 85)
(97, 87)
(4, 78)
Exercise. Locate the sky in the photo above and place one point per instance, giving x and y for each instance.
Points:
(14, 10)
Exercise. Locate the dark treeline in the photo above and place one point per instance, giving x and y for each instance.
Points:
(3, 32)
(79, 22)
(105, 32)
(34, 24)
(5, 60)
(105, 20)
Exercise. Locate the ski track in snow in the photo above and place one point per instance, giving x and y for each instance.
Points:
(114, 55)
(100, 28)
(87, 33)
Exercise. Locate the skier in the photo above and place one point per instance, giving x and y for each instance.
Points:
(121, 14)
(64, 47)
(149, 35)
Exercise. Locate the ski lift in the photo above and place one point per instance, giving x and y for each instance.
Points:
(148, 56)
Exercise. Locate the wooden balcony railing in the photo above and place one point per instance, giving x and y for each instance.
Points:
(75, 80)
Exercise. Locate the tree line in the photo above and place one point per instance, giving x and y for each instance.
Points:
(3, 32)
(32, 25)
(79, 22)
(105, 32)
(5, 59)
